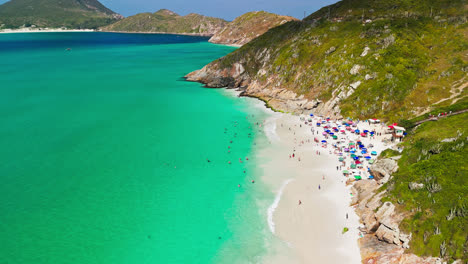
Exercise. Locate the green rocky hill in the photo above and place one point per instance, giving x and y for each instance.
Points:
(248, 26)
(391, 59)
(56, 13)
(166, 21)
(396, 60)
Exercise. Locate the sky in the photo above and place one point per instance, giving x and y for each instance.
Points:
(227, 9)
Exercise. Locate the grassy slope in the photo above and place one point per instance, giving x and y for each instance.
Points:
(414, 57)
(165, 21)
(54, 13)
(426, 159)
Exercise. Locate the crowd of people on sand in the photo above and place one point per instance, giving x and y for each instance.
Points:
(351, 142)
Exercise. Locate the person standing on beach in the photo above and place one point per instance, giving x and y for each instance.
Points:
(346, 216)
(300, 202)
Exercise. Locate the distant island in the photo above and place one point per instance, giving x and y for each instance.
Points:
(166, 21)
(69, 14)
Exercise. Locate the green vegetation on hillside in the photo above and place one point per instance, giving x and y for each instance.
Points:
(167, 21)
(416, 56)
(435, 155)
(74, 14)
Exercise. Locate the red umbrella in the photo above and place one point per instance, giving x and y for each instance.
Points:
(358, 162)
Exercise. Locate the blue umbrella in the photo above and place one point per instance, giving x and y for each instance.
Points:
(311, 114)
(324, 141)
(363, 148)
(331, 133)
(363, 152)
(356, 158)
(367, 157)
(366, 131)
(357, 131)
(372, 132)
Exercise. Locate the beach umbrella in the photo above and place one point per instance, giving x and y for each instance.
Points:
(340, 158)
(346, 149)
(371, 161)
(367, 157)
(324, 141)
(366, 131)
(363, 152)
(345, 172)
(353, 166)
(352, 155)
(352, 151)
(351, 144)
(363, 134)
(371, 177)
(311, 114)
(359, 165)
(363, 148)
(357, 131)
(331, 133)
(324, 133)
(356, 158)
(357, 177)
(357, 162)
(374, 153)
(335, 137)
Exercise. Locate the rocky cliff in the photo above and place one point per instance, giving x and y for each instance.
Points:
(166, 21)
(387, 59)
(247, 27)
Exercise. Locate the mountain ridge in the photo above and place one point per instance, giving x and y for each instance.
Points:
(167, 21)
(248, 26)
(76, 14)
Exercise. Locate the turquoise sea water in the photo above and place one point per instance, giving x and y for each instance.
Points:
(104, 148)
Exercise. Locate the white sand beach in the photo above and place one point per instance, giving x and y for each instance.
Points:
(311, 232)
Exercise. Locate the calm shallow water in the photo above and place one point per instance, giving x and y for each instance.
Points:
(103, 153)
